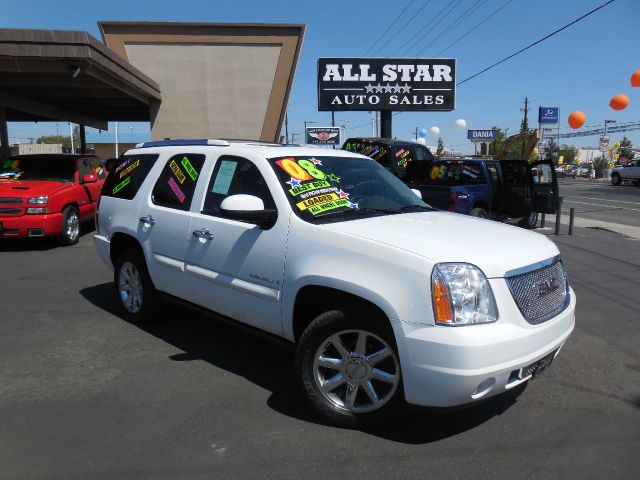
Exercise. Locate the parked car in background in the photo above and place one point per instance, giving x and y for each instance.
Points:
(499, 190)
(386, 300)
(630, 172)
(394, 155)
(49, 195)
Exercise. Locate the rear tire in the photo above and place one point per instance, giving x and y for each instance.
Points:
(530, 221)
(479, 213)
(348, 368)
(134, 289)
(616, 179)
(70, 226)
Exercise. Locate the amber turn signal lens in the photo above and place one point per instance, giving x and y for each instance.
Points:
(441, 301)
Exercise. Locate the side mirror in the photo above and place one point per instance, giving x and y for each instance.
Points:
(89, 178)
(250, 209)
(417, 192)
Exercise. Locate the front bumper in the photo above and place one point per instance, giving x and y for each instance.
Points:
(451, 366)
(31, 225)
(102, 245)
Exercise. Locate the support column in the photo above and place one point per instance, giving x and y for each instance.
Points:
(4, 134)
(83, 140)
(385, 127)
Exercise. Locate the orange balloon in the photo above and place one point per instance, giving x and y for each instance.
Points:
(577, 119)
(619, 102)
(635, 78)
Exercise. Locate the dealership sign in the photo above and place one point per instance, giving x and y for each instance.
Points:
(604, 143)
(322, 136)
(548, 114)
(416, 84)
(482, 136)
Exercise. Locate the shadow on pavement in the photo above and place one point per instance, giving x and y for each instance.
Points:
(39, 244)
(270, 366)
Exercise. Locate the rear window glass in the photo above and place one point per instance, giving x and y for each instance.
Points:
(34, 167)
(127, 176)
(455, 173)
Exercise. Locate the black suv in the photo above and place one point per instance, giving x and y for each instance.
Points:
(393, 154)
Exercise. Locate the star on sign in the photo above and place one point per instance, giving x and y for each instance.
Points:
(378, 88)
(293, 182)
(352, 205)
(406, 88)
(343, 194)
(333, 178)
(370, 88)
(397, 88)
(316, 161)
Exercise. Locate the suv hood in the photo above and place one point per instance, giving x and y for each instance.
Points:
(30, 188)
(493, 247)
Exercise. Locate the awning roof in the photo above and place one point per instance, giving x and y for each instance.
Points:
(71, 76)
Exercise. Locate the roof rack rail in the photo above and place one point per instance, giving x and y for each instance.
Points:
(183, 142)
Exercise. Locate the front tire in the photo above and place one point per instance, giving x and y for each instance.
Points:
(70, 226)
(530, 221)
(616, 179)
(348, 369)
(135, 292)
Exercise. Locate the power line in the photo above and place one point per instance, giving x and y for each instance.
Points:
(442, 13)
(474, 28)
(388, 28)
(427, 2)
(447, 29)
(536, 42)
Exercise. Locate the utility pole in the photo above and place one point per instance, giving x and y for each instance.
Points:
(293, 137)
(286, 128)
(525, 125)
(309, 122)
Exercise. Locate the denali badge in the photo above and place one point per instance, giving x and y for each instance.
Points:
(545, 287)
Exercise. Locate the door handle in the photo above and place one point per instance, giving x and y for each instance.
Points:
(148, 220)
(203, 234)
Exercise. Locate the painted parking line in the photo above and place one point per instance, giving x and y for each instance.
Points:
(601, 199)
(617, 207)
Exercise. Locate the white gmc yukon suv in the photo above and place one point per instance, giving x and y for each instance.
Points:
(386, 299)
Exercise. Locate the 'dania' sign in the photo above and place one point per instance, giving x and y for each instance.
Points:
(386, 84)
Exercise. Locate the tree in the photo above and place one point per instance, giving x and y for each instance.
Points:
(55, 139)
(552, 151)
(440, 148)
(569, 153)
(625, 149)
(497, 143)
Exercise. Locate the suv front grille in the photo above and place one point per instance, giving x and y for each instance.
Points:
(541, 294)
(10, 200)
(10, 211)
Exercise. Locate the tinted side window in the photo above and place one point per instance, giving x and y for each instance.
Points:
(232, 176)
(125, 179)
(455, 172)
(84, 168)
(97, 167)
(177, 182)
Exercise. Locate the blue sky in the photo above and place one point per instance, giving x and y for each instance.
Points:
(581, 68)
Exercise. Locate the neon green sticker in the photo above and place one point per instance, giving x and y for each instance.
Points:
(323, 207)
(189, 168)
(121, 185)
(308, 186)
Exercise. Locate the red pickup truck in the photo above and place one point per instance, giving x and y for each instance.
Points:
(49, 195)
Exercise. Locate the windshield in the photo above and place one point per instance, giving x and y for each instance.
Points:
(341, 188)
(57, 169)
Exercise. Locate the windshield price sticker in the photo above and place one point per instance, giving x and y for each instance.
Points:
(307, 187)
(128, 170)
(192, 172)
(177, 172)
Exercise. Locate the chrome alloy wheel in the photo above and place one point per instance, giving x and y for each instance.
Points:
(356, 371)
(130, 287)
(72, 225)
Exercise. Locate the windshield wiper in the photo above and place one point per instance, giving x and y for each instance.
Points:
(359, 210)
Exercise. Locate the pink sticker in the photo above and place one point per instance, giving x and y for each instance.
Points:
(176, 189)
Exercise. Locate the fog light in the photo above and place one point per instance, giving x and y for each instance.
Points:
(36, 210)
(484, 388)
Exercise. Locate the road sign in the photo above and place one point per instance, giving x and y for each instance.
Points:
(604, 143)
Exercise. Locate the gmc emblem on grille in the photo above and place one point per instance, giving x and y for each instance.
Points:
(545, 287)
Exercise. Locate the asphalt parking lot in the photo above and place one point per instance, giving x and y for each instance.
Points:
(84, 394)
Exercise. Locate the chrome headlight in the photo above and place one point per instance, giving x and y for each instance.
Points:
(39, 200)
(461, 295)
